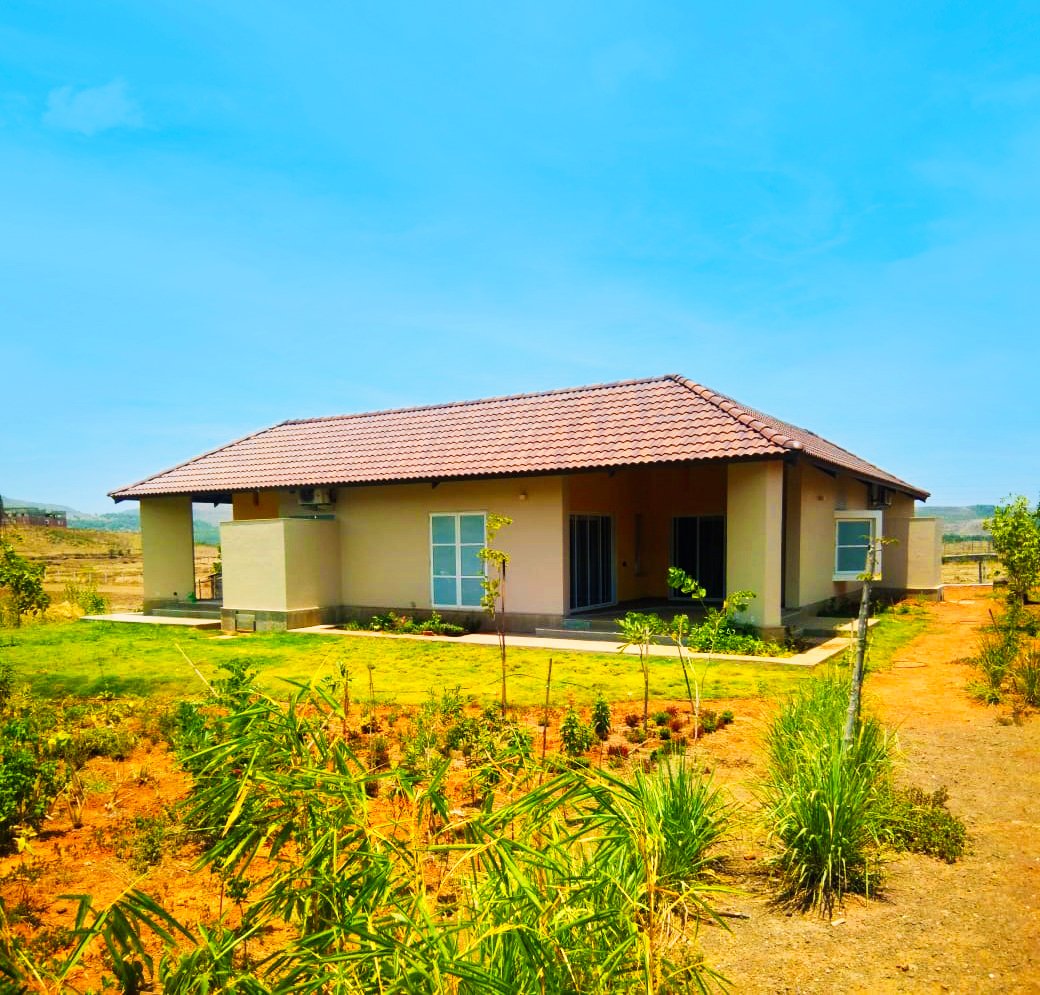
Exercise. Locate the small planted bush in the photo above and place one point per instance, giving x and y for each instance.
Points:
(921, 823)
(827, 805)
(1027, 676)
(995, 658)
(575, 736)
(601, 717)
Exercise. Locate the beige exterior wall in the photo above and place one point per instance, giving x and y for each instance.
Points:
(250, 505)
(924, 554)
(253, 556)
(754, 516)
(312, 563)
(280, 564)
(895, 525)
(817, 496)
(642, 503)
(385, 540)
(167, 548)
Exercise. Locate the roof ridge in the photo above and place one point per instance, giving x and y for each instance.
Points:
(475, 401)
(758, 422)
(195, 459)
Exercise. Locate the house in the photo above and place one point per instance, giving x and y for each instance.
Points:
(607, 485)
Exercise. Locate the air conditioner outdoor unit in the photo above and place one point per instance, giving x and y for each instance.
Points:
(315, 495)
(880, 497)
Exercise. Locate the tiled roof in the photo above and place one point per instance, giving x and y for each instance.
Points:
(659, 420)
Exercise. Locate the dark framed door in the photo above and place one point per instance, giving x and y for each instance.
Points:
(699, 548)
(592, 561)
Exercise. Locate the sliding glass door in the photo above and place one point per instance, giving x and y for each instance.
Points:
(592, 561)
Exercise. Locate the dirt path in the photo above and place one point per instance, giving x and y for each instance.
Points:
(973, 926)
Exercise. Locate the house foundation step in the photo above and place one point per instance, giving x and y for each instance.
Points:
(191, 611)
(594, 635)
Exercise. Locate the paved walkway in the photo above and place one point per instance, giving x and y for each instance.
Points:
(810, 658)
(191, 623)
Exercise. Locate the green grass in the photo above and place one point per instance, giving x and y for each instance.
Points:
(86, 658)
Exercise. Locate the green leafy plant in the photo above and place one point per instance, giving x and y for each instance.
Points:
(641, 629)
(921, 823)
(601, 718)
(1015, 532)
(21, 586)
(711, 635)
(995, 657)
(83, 593)
(1027, 675)
(575, 736)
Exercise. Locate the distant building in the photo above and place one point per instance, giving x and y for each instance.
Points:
(33, 516)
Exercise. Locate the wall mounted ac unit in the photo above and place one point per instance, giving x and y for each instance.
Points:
(315, 495)
(880, 497)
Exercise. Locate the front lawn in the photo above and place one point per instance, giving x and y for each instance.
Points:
(87, 658)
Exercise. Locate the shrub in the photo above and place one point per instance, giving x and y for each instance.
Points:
(921, 823)
(676, 724)
(21, 585)
(31, 776)
(709, 721)
(726, 717)
(826, 805)
(635, 735)
(631, 720)
(575, 736)
(661, 718)
(84, 594)
(994, 657)
(101, 741)
(1027, 676)
(601, 717)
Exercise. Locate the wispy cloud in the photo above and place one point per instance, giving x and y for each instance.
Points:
(92, 109)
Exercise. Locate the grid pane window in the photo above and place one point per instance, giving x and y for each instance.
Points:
(457, 570)
(853, 535)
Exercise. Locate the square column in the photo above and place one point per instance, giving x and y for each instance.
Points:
(168, 549)
(754, 545)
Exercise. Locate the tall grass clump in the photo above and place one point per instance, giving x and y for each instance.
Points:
(995, 658)
(826, 803)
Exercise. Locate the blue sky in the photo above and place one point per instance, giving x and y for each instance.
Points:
(214, 216)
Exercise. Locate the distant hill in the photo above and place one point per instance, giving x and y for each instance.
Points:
(964, 521)
(206, 519)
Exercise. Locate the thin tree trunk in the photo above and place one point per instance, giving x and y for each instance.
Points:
(856, 690)
(545, 717)
(502, 631)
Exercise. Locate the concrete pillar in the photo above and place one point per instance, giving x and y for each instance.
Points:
(168, 549)
(754, 524)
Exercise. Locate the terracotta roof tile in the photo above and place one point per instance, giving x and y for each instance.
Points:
(663, 419)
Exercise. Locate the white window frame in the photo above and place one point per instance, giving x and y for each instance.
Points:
(458, 516)
(865, 515)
